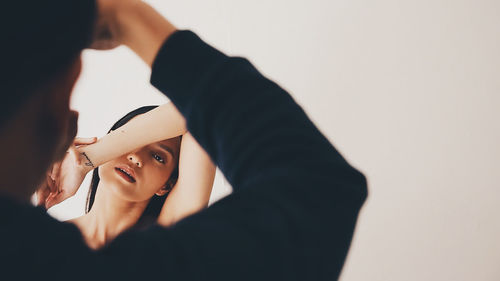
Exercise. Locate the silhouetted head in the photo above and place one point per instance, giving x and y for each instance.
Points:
(40, 63)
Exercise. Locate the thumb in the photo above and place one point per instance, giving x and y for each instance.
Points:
(84, 141)
(54, 199)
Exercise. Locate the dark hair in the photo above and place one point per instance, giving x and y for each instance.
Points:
(154, 206)
(40, 40)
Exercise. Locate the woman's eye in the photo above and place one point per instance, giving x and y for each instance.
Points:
(158, 158)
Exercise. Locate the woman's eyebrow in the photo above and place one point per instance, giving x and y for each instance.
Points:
(167, 149)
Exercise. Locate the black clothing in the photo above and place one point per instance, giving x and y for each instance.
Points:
(291, 215)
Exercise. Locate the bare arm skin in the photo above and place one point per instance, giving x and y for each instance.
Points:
(65, 178)
(163, 122)
(192, 190)
(133, 23)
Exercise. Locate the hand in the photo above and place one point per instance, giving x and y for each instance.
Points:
(132, 23)
(47, 187)
(66, 176)
(109, 30)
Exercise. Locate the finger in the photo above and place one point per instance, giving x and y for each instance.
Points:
(84, 141)
(51, 200)
(48, 202)
(44, 189)
(56, 168)
(55, 199)
(47, 199)
(50, 184)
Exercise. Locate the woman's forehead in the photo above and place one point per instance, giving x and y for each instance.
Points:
(172, 145)
(173, 142)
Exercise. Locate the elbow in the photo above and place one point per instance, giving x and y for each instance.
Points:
(353, 184)
(360, 185)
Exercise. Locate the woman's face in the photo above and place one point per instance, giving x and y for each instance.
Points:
(138, 175)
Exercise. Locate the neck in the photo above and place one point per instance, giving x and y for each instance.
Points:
(110, 215)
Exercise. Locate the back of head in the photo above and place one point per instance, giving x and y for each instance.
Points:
(40, 39)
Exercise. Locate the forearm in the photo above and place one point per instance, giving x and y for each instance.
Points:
(161, 123)
(194, 185)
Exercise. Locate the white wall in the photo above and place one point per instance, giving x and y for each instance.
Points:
(408, 91)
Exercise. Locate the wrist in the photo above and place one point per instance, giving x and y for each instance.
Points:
(85, 164)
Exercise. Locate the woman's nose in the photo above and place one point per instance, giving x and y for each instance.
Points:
(134, 159)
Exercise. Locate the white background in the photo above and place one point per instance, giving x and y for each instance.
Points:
(408, 91)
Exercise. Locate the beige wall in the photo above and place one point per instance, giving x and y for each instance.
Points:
(409, 91)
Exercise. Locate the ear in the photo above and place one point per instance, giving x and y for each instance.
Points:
(166, 188)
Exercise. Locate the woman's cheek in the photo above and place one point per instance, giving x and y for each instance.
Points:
(158, 179)
(148, 184)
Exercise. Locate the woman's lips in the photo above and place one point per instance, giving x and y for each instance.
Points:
(126, 173)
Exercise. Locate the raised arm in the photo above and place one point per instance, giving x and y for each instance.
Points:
(161, 123)
(194, 185)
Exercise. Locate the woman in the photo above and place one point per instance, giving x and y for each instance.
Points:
(146, 156)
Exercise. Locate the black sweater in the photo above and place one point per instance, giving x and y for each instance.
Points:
(291, 215)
